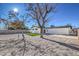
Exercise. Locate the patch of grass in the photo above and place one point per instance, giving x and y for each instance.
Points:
(33, 34)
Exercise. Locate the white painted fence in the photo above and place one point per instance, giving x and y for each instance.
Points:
(12, 31)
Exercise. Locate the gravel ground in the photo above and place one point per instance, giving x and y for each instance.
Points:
(53, 45)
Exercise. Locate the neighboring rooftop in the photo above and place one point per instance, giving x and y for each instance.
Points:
(66, 26)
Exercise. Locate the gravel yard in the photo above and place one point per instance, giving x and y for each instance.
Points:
(52, 45)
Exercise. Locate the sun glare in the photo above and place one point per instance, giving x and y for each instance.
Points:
(15, 10)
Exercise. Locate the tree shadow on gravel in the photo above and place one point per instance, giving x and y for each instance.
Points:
(64, 44)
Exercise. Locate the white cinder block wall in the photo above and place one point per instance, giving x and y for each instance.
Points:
(58, 30)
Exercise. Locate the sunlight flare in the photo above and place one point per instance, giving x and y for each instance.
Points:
(15, 9)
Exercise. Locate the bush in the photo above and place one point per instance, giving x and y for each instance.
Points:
(10, 28)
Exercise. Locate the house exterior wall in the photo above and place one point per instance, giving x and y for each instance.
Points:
(35, 30)
(58, 31)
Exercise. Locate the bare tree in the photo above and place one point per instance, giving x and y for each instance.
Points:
(5, 21)
(40, 13)
(13, 14)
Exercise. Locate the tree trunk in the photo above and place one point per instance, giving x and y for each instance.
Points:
(41, 32)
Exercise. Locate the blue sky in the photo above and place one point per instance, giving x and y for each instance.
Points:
(65, 13)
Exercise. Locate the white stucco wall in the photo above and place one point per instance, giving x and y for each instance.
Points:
(37, 31)
(58, 30)
(54, 30)
(34, 30)
(78, 32)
